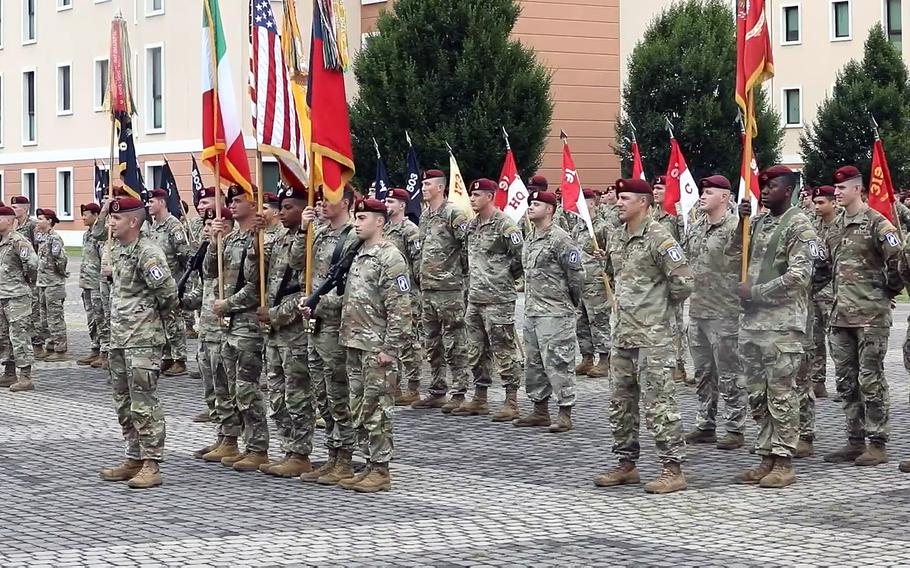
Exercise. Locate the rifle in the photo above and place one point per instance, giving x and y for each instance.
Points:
(337, 278)
(195, 264)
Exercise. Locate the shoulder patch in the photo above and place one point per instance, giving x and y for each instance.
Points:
(403, 283)
(515, 238)
(417, 244)
(573, 257)
(178, 236)
(56, 247)
(155, 272)
(23, 253)
(892, 239)
(814, 250)
(462, 227)
(675, 253)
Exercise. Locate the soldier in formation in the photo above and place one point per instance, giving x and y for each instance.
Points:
(51, 286)
(90, 284)
(19, 266)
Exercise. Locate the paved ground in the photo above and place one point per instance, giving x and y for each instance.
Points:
(466, 493)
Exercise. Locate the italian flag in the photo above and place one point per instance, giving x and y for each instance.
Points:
(222, 138)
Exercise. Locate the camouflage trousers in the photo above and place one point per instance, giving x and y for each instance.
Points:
(208, 382)
(50, 305)
(134, 377)
(906, 348)
(678, 329)
(805, 394)
(859, 367)
(550, 358)
(593, 327)
(491, 340)
(242, 359)
(291, 397)
(445, 339)
(714, 346)
(771, 360)
(818, 356)
(189, 319)
(15, 331)
(104, 332)
(175, 336)
(645, 374)
(38, 327)
(328, 370)
(371, 404)
(222, 393)
(94, 316)
(411, 358)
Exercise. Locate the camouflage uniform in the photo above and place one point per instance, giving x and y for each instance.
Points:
(241, 346)
(194, 228)
(142, 293)
(51, 284)
(772, 326)
(865, 252)
(593, 324)
(19, 266)
(674, 225)
(375, 318)
(90, 284)
(494, 253)
(822, 303)
(29, 230)
(406, 237)
(171, 237)
(715, 255)
(99, 232)
(651, 277)
(554, 286)
(441, 274)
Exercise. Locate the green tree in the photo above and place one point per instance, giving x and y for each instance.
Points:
(843, 131)
(684, 70)
(448, 71)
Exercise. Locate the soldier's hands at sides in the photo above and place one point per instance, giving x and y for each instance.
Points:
(744, 290)
(745, 209)
(220, 308)
(259, 222)
(385, 360)
(308, 216)
(263, 314)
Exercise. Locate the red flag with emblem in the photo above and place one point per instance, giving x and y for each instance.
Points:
(573, 198)
(508, 175)
(881, 190)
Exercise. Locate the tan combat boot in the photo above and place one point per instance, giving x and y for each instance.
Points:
(624, 474)
(781, 475)
(804, 448)
(56, 357)
(430, 401)
(821, 391)
(904, 466)
(227, 448)
(294, 466)
(731, 441)
(378, 479)
(756, 474)
(477, 406)
(701, 437)
(191, 333)
(176, 369)
(563, 422)
(122, 472)
(100, 362)
(410, 396)
(202, 417)
(848, 453)
(149, 476)
(40, 352)
(250, 462)
(200, 453)
(165, 365)
(350, 482)
(539, 417)
(454, 402)
(587, 363)
(875, 454)
(342, 469)
(602, 368)
(671, 480)
(9, 375)
(328, 466)
(267, 467)
(509, 410)
(25, 381)
(90, 358)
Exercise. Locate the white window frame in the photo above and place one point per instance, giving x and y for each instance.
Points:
(101, 1)
(64, 7)
(61, 111)
(149, 11)
(2, 105)
(3, 186)
(884, 20)
(832, 20)
(24, 118)
(2, 19)
(33, 203)
(72, 189)
(366, 36)
(148, 178)
(26, 41)
(149, 103)
(98, 106)
(783, 106)
(783, 23)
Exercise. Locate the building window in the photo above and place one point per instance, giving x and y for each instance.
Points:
(102, 72)
(2, 100)
(29, 22)
(893, 24)
(64, 90)
(2, 188)
(840, 20)
(154, 81)
(791, 25)
(792, 104)
(29, 124)
(64, 5)
(1, 24)
(153, 171)
(30, 188)
(65, 193)
(154, 7)
(270, 176)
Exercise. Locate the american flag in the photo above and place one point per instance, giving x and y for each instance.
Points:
(274, 115)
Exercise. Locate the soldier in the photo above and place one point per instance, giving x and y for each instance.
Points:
(773, 322)
(376, 317)
(194, 229)
(865, 253)
(593, 327)
(51, 285)
(26, 226)
(170, 235)
(442, 272)
(823, 299)
(404, 234)
(90, 282)
(19, 266)
(271, 209)
(241, 346)
(494, 255)
(650, 278)
(714, 249)
(554, 285)
(142, 295)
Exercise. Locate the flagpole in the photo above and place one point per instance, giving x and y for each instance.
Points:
(110, 185)
(747, 182)
(260, 238)
(311, 202)
(216, 103)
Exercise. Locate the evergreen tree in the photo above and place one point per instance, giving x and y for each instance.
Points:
(684, 70)
(843, 131)
(448, 71)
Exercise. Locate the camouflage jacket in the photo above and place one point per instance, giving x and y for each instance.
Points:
(406, 236)
(170, 235)
(672, 223)
(90, 269)
(29, 230)
(194, 227)
(143, 293)
(51, 261)
(903, 217)
(609, 216)
(781, 303)
(202, 298)
(377, 306)
(566, 220)
(865, 254)
(18, 265)
(242, 297)
(286, 327)
(443, 245)
(715, 252)
(824, 294)
(650, 277)
(594, 270)
(324, 243)
(554, 274)
(494, 259)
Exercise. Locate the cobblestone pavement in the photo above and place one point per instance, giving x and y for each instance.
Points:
(466, 492)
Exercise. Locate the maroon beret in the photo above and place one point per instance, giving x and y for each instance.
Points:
(19, 200)
(659, 180)
(589, 193)
(207, 192)
(718, 181)
(634, 185)
(159, 193)
(431, 174)
(543, 197)
(90, 207)
(538, 182)
(126, 205)
(846, 173)
(823, 191)
(236, 191)
(270, 198)
(772, 173)
(611, 187)
(288, 192)
(7, 212)
(399, 194)
(484, 184)
(370, 206)
(49, 214)
(225, 214)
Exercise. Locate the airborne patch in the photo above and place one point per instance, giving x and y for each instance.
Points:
(573, 257)
(178, 236)
(892, 239)
(675, 254)
(55, 248)
(156, 273)
(23, 253)
(515, 238)
(403, 283)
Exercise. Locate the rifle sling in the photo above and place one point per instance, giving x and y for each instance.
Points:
(768, 272)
